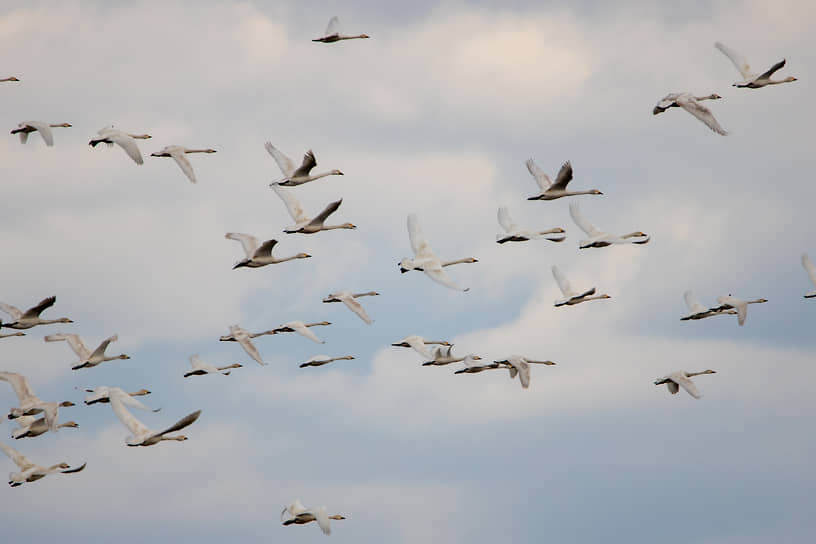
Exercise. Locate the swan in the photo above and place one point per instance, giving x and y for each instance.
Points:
(142, 436)
(242, 337)
(29, 403)
(12, 334)
(426, 260)
(698, 311)
(518, 365)
(598, 238)
(332, 33)
(296, 176)
(30, 472)
(750, 79)
(811, 272)
(419, 344)
(350, 300)
(572, 297)
(302, 329)
(102, 394)
(443, 356)
(26, 127)
(692, 105)
(474, 369)
(231, 337)
(87, 359)
(514, 234)
(550, 190)
(126, 141)
(728, 302)
(200, 368)
(678, 379)
(258, 255)
(31, 317)
(12, 78)
(178, 153)
(320, 360)
(303, 223)
(30, 426)
(296, 513)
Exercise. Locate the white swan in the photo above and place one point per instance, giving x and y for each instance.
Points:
(512, 232)
(550, 190)
(26, 127)
(297, 514)
(30, 472)
(691, 104)
(518, 365)
(102, 395)
(31, 317)
(87, 359)
(443, 356)
(142, 436)
(302, 329)
(242, 337)
(811, 272)
(200, 368)
(258, 255)
(178, 153)
(296, 176)
(678, 379)
(31, 426)
(303, 223)
(728, 302)
(572, 297)
(332, 33)
(231, 337)
(350, 300)
(110, 135)
(320, 360)
(12, 78)
(750, 79)
(29, 404)
(475, 369)
(419, 344)
(598, 238)
(426, 260)
(698, 311)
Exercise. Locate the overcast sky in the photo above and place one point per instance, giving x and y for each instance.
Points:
(434, 115)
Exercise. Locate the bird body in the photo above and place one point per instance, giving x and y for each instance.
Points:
(518, 365)
(332, 33)
(200, 368)
(31, 426)
(320, 360)
(29, 404)
(442, 356)
(102, 395)
(728, 302)
(698, 311)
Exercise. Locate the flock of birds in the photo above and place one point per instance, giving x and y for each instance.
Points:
(35, 417)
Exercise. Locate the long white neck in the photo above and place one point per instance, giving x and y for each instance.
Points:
(458, 261)
(199, 150)
(368, 294)
(587, 192)
(313, 177)
(332, 227)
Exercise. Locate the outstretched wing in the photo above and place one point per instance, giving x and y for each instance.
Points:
(692, 303)
(19, 459)
(772, 69)
(505, 220)
(737, 59)
(303, 330)
(76, 343)
(809, 268)
(266, 248)
(127, 143)
(563, 284)
(243, 338)
(419, 346)
(287, 167)
(13, 311)
(292, 205)
(354, 305)
(588, 228)
(44, 130)
(306, 166)
(128, 420)
(687, 385)
(564, 177)
(438, 275)
(181, 159)
(20, 385)
(322, 518)
(38, 309)
(333, 27)
(186, 421)
(688, 103)
(542, 179)
(249, 242)
(418, 242)
(327, 211)
(100, 350)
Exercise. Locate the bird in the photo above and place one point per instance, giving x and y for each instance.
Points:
(750, 79)
(426, 260)
(514, 234)
(811, 272)
(87, 359)
(678, 379)
(300, 175)
(23, 129)
(320, 360)
(517, 364)
(691, 104)
(31, 426)
(102, 394)
(332, 33)
(12, 78)
(296, 513)
(475, 369)
(200, 368)
(442, 356)
(550, 190)
(303, 223)
(12, 334)
(30, 472)
(302, 329)
(231, 338)
(258, 255)
(31, 317)
(142, 436)
(419, 344)
(350, 300)
(572, 297)
(178, 153)
(728, 302)
(698, 311)
(598, 238)
(242, 337)
(110, 135)
(29, 404)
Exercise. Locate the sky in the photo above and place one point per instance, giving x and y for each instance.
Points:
(434, 115)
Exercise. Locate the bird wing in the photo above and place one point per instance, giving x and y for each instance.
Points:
(13, 311)
(772, 69)
(23, 137)
(419, 346)
(564, 177)
(135, 426)
(692, 303)
(303, 330)
(306, 166)
(265, 250)
(542, 179)
(249, 242)
(327, 211)
(44, 130)
(242, 338)
(418, 242)
(100, 350)
(563, 284)
(23, 462)
(333, 27)
(40, 307)
(322, 518)
(186, 421)
(688, 103)
(737, 59)
(127, 143)
(740, 305)
(181, 159)
(76, 343)
(588, 228)
(20, 385)
(292, 205)
(354, 305)
(809, 268)
(128, 400)
(523, 369)
(688, 385)
(439, 276)
(287, 167)
(505, 220)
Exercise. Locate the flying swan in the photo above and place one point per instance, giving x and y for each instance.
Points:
(512, 232)
(30, 472)
(332, 33)
(598, 238)
(320, 360)
(87, 359)
(243, 337)
(550, 190)
(178, 153)
(419, 344)
(691, 104)
(728, 302)
(302, 329)
(751, 80)
(698, 311)
(296, 176)
(297, 514)
(101, 395)
(31, 426)
(303, 223)
(518, 365)
(200, 368)
(571, 296)
(29, 403)
(126, 141)
(678, 379)
(31, 317)
(26, 127)
(258, 255)
(142, 436)
(350, 300)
